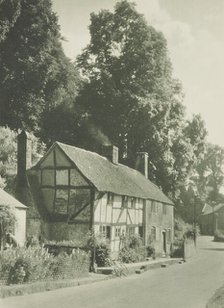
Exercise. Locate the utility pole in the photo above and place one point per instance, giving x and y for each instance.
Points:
(195, 231)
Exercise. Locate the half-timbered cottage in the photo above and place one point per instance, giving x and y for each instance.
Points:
(76, 190)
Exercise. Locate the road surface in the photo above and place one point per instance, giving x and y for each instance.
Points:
(187, 285)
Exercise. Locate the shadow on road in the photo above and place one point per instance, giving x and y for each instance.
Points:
(214, 249)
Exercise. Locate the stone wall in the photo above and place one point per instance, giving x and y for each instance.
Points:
(189, 248)
(159, 228)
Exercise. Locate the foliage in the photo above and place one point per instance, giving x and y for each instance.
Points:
(35, 262)
(127, 96)
(132, 249)
(128, 255)
(31, 264)
(9, 13)
(66, 266)
(102, 255)
(128, 77)
(8, 152)
(183, 230)
(131, 95)
(99, 247)
(151, 252)
(35, 74)
(7, 220)
(211, 173)
(133, 241)
(219, 236)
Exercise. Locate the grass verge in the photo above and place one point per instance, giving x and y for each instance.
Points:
(217, 300)
(35, 287)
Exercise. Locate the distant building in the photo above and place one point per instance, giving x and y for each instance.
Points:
(19, 211)
(212, 219)
(75, 190)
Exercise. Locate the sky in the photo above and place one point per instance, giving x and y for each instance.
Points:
(194, 30)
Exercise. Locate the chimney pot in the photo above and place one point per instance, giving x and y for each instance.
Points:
(111, 153)
(142, 163)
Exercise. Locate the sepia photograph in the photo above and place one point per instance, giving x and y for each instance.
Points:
(111, 153)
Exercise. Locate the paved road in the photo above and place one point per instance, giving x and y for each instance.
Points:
(187, 285)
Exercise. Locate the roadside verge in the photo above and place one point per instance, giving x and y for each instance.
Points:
(138, 268)
(217, 300)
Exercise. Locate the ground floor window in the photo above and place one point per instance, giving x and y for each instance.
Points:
(105, 231)
(130, 231)
(117, 231)
(140, 231)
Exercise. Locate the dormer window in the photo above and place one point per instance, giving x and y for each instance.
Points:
(110, 199)
(133, 203)
(124, 201)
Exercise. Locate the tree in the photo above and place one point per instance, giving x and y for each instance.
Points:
(130, 93)
(35, 75)
(211, 174)
(9, 12)
(8, 153)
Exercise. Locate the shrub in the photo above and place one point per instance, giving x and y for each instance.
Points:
(66, 266)
(31, 264)
(8, 221)
(127, 255)
(151, 252)
(218, 236)
(102, 255)
(35, 261)
(177, 249)
(132, 250)
(100, 244)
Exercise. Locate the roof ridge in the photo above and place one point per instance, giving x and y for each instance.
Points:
(87, 151)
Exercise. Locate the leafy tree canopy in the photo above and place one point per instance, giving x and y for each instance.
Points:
(130, 93)
(35, 75)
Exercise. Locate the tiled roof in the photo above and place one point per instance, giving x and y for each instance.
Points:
(109, 177)
(7, 200)
(208, 209)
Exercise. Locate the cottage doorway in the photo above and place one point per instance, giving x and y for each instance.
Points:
(164, 241)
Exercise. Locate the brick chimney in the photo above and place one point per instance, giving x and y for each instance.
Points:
(24, 158)
(142, 163)
(111, 153)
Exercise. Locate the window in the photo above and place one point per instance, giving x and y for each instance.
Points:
(108, 232)
(117, 232)
(110, 199)
(141, 203)
(124, 201)
(153, 233)
(140, 231)
(105, 231)
(130, 231)
(154, 207)
(133, 203)
(164, 209)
